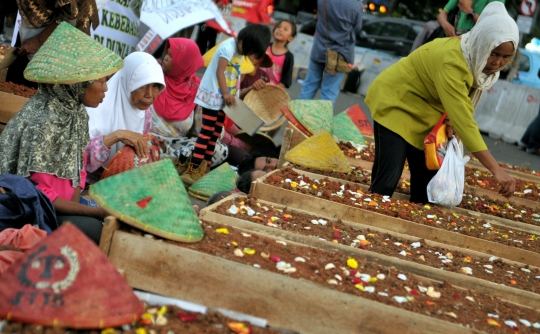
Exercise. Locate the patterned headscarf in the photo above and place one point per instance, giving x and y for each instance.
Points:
(41, 13)
(48, 135)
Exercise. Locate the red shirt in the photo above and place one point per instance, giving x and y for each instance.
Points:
(253, 11)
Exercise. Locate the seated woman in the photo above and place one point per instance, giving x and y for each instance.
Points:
(175, 117)
(46, 139)
(124, 116)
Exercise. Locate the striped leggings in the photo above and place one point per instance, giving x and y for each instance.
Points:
(212, 124)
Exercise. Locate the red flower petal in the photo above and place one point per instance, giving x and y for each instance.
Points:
(142, 203)
(187, 317)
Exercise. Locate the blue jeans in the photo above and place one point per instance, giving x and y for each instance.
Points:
(330, 83)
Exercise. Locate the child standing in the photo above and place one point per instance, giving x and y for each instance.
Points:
(219, 86)
(281, 73)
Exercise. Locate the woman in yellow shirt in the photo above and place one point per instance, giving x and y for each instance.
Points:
(449, 74)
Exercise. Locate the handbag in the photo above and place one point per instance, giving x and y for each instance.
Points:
(334, 60)
(435, 144)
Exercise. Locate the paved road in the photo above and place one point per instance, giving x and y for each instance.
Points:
(501, 151)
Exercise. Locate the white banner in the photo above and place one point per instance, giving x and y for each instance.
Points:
(166, 17)
(118, 28)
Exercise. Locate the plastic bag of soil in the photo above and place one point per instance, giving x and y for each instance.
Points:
(446, 187)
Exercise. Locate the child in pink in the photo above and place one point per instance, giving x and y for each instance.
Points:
(280, 73)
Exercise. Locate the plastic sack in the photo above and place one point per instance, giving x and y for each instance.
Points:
(446, 187)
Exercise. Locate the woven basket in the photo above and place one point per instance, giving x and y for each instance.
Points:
(319, 152)
(346, 130)
(266, 103)
(126, 158)
(70, 56)
(151, 198)
(315, 115)
(257, 142)
(222, 178)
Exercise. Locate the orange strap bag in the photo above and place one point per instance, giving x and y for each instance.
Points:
(435, 145)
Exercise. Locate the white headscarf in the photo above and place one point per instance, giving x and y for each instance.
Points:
(494, 27)
(116, 111)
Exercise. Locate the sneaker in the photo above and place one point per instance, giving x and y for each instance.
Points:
(193, 173)
(2, 38)
(532, 150)
(521, 145)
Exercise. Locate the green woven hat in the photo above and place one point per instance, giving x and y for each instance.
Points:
(346, 130)
(151, 198)
(222, 178)
(315, 115)
(70, 56)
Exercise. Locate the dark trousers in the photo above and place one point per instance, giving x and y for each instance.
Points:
(212, 124)
(15, 72)
(531, 137)
(91, 227)
(206, 39)
(391, 151)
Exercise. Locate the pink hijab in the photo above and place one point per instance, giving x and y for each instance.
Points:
(175, 103)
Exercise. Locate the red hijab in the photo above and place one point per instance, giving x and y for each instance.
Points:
(175, 103)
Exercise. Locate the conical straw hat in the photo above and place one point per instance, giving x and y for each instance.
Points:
(222, 178)
(70, 56)
(266, 103)
(65, 280)
(151, 198)
(315, 115)
(346, 130)
(319, 152)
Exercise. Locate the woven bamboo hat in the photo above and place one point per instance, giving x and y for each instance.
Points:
(222, 178)
(346, 130)
(266, 103)
(319, 152)
(292, 120)
(70, 56)
(60, 282)
(315, 115)
(151, 198)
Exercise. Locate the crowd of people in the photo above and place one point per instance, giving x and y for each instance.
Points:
(89, 107)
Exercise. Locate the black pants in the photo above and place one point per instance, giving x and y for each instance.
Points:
(91, 227)
(206, 38)
(391, 150)
(531, 137)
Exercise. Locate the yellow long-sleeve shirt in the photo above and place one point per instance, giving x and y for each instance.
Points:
(410, 96)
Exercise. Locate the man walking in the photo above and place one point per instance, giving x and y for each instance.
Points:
(339, 21)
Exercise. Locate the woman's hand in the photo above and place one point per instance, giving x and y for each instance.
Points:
(30, 46)
(508, 183)
(130, 138)
(449, 30)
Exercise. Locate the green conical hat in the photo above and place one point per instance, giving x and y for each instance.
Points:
(346, 130)
(70, 56)
(319, 152)
(315, 115)
(151, 198)
(222, 178)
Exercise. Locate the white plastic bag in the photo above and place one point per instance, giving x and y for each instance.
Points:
(446, 187)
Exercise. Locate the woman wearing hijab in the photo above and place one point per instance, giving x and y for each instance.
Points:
(446, 75)
(46, 139)
(124, 116)
(175, 116)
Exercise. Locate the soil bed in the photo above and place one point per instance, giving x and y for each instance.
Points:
(478, 178)
(430, 215)
(417, 251)
(11, 88)
(382, 284)
(177, 321)
(494, 207)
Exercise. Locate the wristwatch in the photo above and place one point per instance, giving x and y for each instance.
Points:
(471, 14)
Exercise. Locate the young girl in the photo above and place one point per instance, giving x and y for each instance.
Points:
(281, 73)
(219, 85)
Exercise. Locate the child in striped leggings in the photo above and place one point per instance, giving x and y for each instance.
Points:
(219, 86)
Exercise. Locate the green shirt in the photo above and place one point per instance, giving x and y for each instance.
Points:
(410, 96)
(465, 22)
